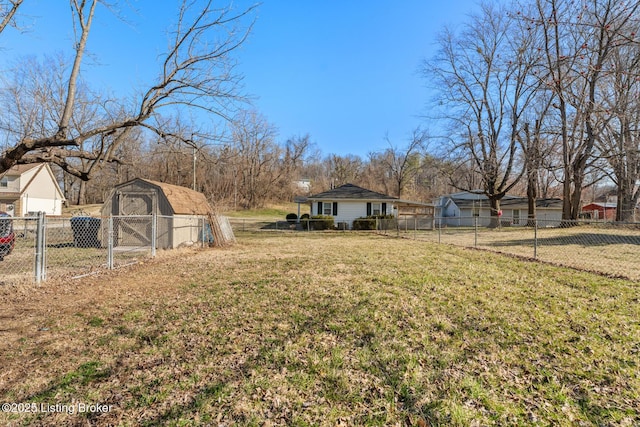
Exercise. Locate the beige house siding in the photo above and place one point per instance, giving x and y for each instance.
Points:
(32, 188)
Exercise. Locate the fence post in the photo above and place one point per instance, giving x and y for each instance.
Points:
(40, 264)
(110, 242)
(535, 238)
(439, 229)
(475, 229)
(154, 233)
(202, 230)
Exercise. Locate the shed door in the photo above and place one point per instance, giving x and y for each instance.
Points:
(134, 218)
(130, 203)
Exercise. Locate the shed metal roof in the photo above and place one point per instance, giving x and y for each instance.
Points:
(183, 200)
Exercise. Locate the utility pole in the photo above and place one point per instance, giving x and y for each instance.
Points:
(194, 167)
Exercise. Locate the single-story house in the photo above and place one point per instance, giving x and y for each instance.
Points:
(600, 211)
(467, 207)
(28, 189)
(179, 211)
(349, 202)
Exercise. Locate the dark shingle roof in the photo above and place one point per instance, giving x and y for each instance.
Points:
(350, 191)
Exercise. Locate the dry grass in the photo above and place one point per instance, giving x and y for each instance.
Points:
(82, 210)
(326, 329)
(611, 251)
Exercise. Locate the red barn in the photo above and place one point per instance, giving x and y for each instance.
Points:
(600, 211)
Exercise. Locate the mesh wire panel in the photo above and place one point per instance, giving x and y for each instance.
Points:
(17, 249)
(39, 248)
(604, 247)
(73, 246)
(608, 248)
(131, 238)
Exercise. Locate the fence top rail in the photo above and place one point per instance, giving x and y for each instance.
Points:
(128, 216)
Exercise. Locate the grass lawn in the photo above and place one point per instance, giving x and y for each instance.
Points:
(325, 329)
(612, 251)
(270, 213)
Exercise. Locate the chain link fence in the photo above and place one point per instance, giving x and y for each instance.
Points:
(39, 248)
(35, 249)
(18, 248)
(604, 247)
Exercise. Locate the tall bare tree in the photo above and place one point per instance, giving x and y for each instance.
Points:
(401, 165)
(619, 143)
(483, 78)
(344, 169)
(579, 39)
(257, 157)
(197, 72)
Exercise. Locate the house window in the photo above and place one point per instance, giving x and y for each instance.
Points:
(476, 211)
(516, 216)
(4, 182)
(376, 208)
(327, 209)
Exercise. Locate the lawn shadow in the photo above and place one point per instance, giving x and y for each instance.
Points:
(583, 239)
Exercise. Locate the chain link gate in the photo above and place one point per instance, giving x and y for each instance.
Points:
(34, 249)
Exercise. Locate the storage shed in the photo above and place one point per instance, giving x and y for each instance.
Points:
(179, 212)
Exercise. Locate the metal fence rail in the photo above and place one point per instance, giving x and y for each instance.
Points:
(53, 247)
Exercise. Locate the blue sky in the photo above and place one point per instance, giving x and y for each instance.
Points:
(344, 72)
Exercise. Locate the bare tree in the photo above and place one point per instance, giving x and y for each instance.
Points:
(579, 40)
(197, 73)
(344, 169)
(619, 143)
(483, 76)
(401, 166)
(256, 157)
(8, 10)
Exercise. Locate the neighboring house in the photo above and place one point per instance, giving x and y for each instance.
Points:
(27, 189)
(467, 208)
(179, 213)
(303, 185)
(600, 211)
(349, 202)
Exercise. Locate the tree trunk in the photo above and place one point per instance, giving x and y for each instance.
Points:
(627, 201)
(494, 203)
(82, 192)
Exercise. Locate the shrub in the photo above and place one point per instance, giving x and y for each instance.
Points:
(321, 222)
(304, 220)
(292, 218)
(364, 223)
(369, 222)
